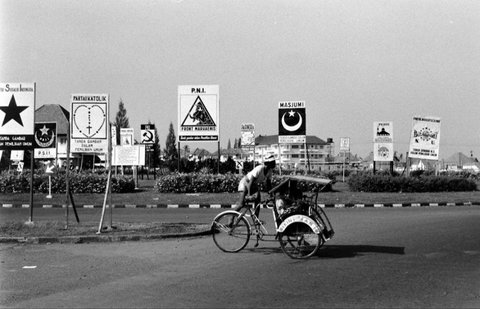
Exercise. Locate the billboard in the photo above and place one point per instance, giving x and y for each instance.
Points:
(248, 135)
(198, 113)
(425, 138)
(45, 140)
(292, 122)
(89, 123)
(383, 141)
(17, 114)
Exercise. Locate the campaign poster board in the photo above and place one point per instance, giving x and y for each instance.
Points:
(198, 113)
(128, 155)
(147, 132)
(292, 122)
(126, 136)
(383, 141)
(425, 138)
(89, 123)
(17, 115)
(45, 137)
(344, 144)
(247, 135)
(17, 155)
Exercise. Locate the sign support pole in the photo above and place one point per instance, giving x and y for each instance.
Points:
(109, 180)
(32, 170)
(49, 186)
(218, 166)
(67, 180)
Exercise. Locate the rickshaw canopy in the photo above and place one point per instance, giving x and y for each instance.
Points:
(287, 182)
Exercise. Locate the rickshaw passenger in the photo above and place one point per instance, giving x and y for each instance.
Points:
(249, 184)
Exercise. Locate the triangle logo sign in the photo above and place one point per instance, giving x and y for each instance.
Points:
(198, 115)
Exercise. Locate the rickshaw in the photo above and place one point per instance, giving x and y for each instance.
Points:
(301, 226)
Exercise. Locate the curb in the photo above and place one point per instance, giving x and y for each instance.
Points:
(218, 206)
(98, 238)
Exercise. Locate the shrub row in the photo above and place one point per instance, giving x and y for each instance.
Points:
(210, 183)
(79, 183)
(364, 182)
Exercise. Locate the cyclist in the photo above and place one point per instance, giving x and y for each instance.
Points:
(249, 185)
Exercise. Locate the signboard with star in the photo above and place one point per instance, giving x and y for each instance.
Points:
(45, 140)
(291, 122)
(17, 112)
(89, 123)
(425, 138)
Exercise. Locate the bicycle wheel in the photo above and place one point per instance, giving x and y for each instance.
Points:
(230, 239)
(299, 241)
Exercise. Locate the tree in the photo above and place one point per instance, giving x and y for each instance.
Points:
(229, 145)
(171, 154)
(121, 120)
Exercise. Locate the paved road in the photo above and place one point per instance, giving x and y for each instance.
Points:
(416, 257)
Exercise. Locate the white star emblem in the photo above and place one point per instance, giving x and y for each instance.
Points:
(291, 113)
(44, 130)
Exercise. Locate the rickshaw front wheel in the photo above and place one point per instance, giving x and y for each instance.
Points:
(230, 238)
(299, 241)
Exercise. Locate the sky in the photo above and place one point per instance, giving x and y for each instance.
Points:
(352, 62)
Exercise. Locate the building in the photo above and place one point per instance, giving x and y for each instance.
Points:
(315, 154)
(460, 162)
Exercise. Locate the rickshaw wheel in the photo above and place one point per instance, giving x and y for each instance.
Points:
(299, 241)
(230, 239)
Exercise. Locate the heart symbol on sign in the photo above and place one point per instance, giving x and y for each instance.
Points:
(89, 120)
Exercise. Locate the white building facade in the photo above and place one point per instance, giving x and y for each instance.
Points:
(315, 154)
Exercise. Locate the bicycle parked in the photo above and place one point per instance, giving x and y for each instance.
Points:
(301, 226)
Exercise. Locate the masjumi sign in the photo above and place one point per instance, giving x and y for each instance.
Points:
(198, 113)
(89, 123)
(291, 122)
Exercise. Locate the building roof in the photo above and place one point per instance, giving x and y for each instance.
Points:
(201, 153)
(459, 158)
(349, 157)
(273, 139)
(54, 113)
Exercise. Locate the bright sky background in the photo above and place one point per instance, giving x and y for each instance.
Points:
(352, 62)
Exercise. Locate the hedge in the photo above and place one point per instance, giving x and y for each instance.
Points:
(11, 182)
(210, 183)
(364, 182)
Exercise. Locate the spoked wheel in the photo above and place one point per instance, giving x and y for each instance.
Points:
(230, 239)
(299, 241)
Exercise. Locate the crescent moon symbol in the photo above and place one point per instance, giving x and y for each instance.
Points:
(292, 128)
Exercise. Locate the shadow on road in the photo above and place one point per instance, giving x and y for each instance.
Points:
(346, 251)
(337, 252)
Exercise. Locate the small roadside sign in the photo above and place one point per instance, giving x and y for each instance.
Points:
(49, 168)
(248, 135)
(45, 140)
(126, 136)
(147, 132)
(344, 144)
